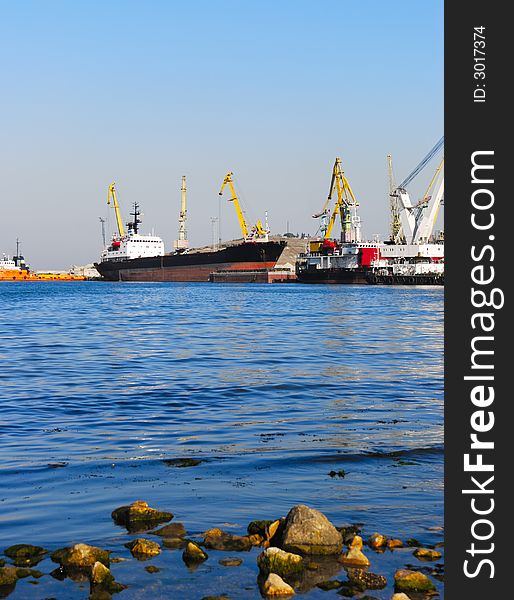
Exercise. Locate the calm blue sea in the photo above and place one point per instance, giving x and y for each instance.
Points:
(272, 387)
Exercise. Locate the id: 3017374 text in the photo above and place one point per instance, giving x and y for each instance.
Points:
(479, 64)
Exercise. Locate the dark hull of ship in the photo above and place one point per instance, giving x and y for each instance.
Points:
(193, 266)
(333, 276)
(365, 276)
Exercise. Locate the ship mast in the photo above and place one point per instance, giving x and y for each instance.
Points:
(134, 225)
(182, 242)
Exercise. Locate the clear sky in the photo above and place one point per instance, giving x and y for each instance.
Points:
(141, 93)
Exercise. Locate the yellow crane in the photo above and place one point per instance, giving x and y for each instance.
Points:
(257, 230)
(112, 194)
(396, 234)
(345, 201)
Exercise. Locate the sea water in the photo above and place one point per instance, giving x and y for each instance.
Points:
(330, 396)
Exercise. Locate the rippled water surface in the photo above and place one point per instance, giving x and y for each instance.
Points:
(272, 387)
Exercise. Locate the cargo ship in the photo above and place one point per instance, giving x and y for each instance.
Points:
(412, 256)
(128, 262)
(131, 256)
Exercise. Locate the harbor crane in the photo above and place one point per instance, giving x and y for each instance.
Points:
(257, 233)
(345, 206)
(182, 243)
(395, 232)
(417, 220)
(111, 194)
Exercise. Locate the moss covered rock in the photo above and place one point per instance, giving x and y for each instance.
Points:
(275, 560)
(412, 581)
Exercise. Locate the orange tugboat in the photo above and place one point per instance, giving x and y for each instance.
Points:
(15, 269)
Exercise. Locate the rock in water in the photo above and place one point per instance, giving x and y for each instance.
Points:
(193, 554)
(8, 575)
(25, 554)
(138, 516)
(80, 556)
(331, 584)
(308, 531)
(221, 540)
(100, 574)
(152, 569)
(103, 584)
(230, 562)
(173, 543)
(412, 581)
(259, 527)
(427, 554)
(275, 560)
(173, 530)
(391, 544)
(365, 580)
(276, 586)
(143, 549)
(377, 540)
(400, 596)
(355, 556)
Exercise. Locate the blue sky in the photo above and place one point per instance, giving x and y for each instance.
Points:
(142, 93)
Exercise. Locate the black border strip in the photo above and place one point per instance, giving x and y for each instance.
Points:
(476, 126)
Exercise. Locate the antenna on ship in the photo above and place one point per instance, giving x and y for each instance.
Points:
(136, 221)
(182, 243)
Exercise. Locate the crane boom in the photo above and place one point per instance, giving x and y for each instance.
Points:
(422, 164)
(112, 194)
(235, 200)
(257, 233)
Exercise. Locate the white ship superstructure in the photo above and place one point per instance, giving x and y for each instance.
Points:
(132, 244)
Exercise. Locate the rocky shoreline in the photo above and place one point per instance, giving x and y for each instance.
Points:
(298, 553)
